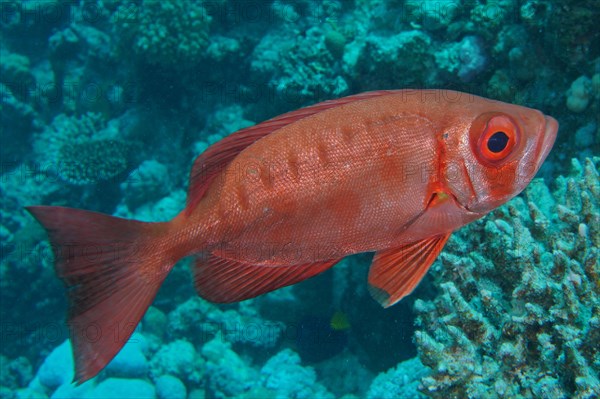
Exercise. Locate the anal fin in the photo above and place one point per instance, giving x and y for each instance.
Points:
(396, 272)
(225, 280)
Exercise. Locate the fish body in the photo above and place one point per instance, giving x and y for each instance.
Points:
(393, 172)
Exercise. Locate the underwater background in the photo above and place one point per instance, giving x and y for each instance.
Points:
(105, 104)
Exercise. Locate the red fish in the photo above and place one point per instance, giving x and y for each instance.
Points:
(393, 172)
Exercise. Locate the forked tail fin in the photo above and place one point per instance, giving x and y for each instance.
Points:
(112, 268)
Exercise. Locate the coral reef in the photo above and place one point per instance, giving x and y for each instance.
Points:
(171, 34)
(19, 117)
(106, 103)
(16, 74)
(26, 261)
(466, 58)
(576, 38)
(228, 375)
(307, 72)
(84, 150)
(118, 388)
(344, 374)
(284, 374)
(200, 319)
(578, 95)
(93, 161)
(178, 359)
(14, 374)
(131, 361)
(66, 129)
(79, 57)
(519, 309)
(169, 387)
(56, 370)
(163, 209)
(433, 14)
(382, 61)
(491, 16)
(400, 382)
(148, 183)
(19, 121)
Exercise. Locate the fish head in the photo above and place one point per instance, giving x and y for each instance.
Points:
(497, 150)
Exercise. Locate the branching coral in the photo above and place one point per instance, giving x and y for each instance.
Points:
(519, 316)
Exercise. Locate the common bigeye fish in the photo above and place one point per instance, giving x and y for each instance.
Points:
(393, 172)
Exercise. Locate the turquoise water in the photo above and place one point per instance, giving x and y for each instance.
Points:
(106, 104)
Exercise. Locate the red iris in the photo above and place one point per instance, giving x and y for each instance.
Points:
(498, 139)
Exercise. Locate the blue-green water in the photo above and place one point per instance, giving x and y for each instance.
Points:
(105, 104)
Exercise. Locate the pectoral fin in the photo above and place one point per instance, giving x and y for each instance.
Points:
(396, 272)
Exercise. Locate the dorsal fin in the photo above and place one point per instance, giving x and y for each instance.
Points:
(211, 162)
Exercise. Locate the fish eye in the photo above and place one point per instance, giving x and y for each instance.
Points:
(497, 142)
(498, 139)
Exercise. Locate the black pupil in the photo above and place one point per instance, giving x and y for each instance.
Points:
(497, 142)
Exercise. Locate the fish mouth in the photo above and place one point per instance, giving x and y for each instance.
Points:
(442, 196)
(549, 136)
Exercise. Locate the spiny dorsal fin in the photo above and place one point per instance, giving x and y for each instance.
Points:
(211, 162)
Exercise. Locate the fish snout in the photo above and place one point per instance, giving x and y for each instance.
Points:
(548, 138)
